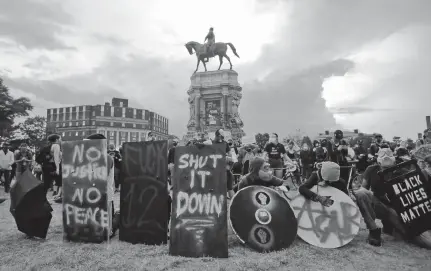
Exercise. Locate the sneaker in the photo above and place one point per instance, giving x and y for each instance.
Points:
(375, 238)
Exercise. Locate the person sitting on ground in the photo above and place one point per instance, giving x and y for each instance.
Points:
(375, 204)
(260, 174)
(111, 186)
(328, 174)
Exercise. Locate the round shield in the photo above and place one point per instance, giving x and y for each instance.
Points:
(326, 227)
(262, 219)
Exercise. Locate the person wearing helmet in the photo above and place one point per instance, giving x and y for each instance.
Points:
(328, 174)
(373, 203)
(208, 46)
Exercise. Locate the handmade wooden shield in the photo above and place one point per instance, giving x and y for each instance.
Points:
(410, 196)
(199, 210)
(262, 219)
(144, 197)
(85, 185)
(326, 227)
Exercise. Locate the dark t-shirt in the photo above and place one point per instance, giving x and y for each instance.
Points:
(314, 179)
(275, 151)
(223, 142)
(171, 156)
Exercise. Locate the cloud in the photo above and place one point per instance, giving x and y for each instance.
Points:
(367, 61)
(34, 24)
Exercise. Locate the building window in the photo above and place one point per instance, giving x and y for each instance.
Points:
(112, 124)
(93, 123)
(134, 125)
(83, 123)
(77, 134)
(63, 134)
(123, 124)
(70, 124)
(77, 123)
(56, 125)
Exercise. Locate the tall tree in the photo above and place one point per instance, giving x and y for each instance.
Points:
(34, 130)
(10, 109)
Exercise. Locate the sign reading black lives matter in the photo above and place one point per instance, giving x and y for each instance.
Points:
(199, 209)
(85, 202)
(410, 196)
(144, 196)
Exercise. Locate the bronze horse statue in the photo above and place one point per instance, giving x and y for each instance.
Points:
(220, 49)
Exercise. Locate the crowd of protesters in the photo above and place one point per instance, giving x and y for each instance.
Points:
(326, 162)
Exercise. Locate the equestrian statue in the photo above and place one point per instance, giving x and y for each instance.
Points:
(206, 51)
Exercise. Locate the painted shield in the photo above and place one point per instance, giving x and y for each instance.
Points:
(327, 227)
(262, 219)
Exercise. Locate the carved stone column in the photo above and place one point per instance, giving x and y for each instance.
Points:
(197, 111)
(225, 104)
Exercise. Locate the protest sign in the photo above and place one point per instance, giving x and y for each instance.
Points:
(199, 210)
(410, 196)
(85, 184)
(144, 196)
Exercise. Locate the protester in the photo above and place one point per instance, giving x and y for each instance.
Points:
(117, 165)
(6, 161)
(275, 154)
(23, 160)
(328, 174)
(49, 157)
(375, 147)
(219, 138)
(261, 174)
(375, 204)
(307, 160)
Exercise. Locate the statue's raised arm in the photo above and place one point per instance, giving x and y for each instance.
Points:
(210, 49)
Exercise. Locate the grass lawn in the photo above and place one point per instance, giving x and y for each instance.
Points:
(19, 253)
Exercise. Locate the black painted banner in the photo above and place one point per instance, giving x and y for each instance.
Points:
(199, 207)
(410, 197)
(144, 197)
(85, 202)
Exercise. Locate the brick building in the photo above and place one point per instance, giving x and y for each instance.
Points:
(117, 121)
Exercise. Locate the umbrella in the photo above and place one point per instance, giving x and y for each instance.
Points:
(29, 206)
(262, 219)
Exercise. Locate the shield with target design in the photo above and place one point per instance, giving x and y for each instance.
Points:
(262, 219)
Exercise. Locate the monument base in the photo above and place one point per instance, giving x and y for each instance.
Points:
(214, 98)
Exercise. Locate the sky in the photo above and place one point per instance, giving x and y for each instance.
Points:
(305, 65)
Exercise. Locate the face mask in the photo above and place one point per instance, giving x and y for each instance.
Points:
(265, 175)
(175, 143)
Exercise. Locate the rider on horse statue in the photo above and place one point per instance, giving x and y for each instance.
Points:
(211, 41)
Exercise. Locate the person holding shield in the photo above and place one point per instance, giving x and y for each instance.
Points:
(328, 174)
(373, 202)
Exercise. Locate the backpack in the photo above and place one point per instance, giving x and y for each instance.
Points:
(44, 155)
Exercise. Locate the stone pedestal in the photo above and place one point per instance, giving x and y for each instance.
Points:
(214, 98)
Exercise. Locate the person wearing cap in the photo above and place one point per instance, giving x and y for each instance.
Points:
(373, 203)
(260, 174)
(6, 161)
(111, 185)
(328, 174)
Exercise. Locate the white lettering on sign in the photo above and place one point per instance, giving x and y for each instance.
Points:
(413, 197)
(196, 161)
(88, 168)
(202, 204)
(92, 195)
(86, 216)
